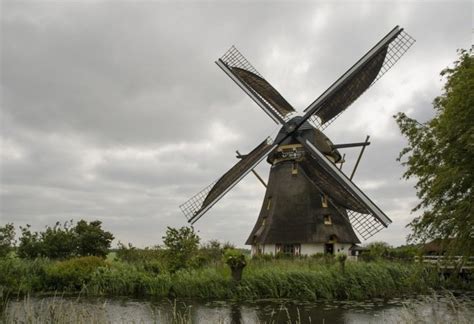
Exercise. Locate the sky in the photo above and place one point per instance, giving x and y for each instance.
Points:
(115, 110)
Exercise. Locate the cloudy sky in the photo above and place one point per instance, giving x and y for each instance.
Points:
(116, 110)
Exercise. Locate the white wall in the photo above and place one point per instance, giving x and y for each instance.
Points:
(269, 249)
(342, 247)
(308, 249)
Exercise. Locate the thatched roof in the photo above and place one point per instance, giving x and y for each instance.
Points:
(296, 214)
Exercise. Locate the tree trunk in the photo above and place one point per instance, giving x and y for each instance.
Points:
(237, 272)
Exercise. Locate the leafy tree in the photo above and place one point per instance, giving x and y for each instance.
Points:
(235, 259)
(7, 239)
(182, 246)
(65, 241)
(440, 155)
(59, 242)
(30, 246)
(91, 239)
(377, 250)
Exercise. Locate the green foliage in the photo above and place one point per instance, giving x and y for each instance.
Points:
(234, 258)
(323, 257)
(403, 253)
(236, 261)
(382, 250)
(65, 241)
(20, 276)
(440, 155)
(7, 239)
(30, 244)
(376, 251)
(92, 239)
(58, 242)
(306, 279)
(72, 274)
(341, 259)
(182, 247)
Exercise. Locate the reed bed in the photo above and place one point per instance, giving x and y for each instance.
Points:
(304, 279)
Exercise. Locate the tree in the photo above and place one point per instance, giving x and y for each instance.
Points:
(7, 239)
(59, 241)
(236, 261)
(30, 246)
(377, 250)
(440, 155)
(91, 239)
(182, 246)
(65, 241)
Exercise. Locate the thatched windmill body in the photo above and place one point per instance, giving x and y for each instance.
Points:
(310, 205)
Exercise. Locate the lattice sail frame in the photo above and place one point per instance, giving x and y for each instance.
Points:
(396, 49)
(233, 58)
(194, 204)
(364, 224)
(198, 204)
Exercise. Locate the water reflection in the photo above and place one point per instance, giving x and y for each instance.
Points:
(437, 309)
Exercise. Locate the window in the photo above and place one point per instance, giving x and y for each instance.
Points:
(294, 170)
(291, 249)
(324, 201)
(327, 220)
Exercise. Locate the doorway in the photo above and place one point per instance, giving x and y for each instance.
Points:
(329, 248)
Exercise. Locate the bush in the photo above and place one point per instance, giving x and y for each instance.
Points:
(129, 253)
(65, 241)
(73, 274)
(182, 247)
(18, 276)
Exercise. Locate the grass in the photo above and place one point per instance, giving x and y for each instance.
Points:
(302, 279)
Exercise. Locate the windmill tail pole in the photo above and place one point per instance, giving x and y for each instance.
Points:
(360, 156)
(253, 171)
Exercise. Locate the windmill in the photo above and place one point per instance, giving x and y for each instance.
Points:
(310, 205)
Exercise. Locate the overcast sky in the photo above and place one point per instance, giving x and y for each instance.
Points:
(116, 111)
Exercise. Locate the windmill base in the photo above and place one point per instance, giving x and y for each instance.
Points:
(305, 249)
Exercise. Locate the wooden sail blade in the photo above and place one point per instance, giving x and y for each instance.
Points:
(329, 186)
(352, 89)
(362, 75)
(200, 203)
(236, 66)
(359, 202)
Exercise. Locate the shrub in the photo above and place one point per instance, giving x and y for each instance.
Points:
(72, 274)
(182, 247)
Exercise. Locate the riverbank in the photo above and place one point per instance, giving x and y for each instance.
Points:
(302, 279)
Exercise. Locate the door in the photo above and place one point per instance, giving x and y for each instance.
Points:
(329, 248)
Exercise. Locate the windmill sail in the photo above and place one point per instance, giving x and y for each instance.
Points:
(357, 203)
(195, 207)
(362, 75)
(236, 66)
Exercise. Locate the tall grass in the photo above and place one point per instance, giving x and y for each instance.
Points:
(304, 279)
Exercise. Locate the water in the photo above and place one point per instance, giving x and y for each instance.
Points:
(443, 308)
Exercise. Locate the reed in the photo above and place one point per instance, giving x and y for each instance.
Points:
(303, 279)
